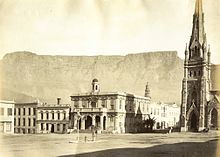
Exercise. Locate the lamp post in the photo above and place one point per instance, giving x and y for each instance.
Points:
(78, 118)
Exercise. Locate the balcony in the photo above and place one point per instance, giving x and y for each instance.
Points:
(90, 110)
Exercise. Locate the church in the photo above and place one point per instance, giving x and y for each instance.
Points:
(200, 102)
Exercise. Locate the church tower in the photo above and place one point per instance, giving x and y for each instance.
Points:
(196, 81)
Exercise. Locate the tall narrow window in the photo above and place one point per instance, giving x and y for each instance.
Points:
(47, 114)
(34, 122)
(29, 122)
(34, 110)
(19, 111)
(47, 126)
(42, 115)
(52, 115)
(23, 111)
(19, 121)
(23, 121)
(42, 126)
(58, 115)
(14, 111)
(15, 121)
(29, 111)
(64, 115)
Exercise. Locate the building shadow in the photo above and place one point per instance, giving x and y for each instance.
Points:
(185, 149)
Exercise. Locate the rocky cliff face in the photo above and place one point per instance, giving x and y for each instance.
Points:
(33, 76)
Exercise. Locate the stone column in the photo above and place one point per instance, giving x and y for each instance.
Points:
(93, 120)
(101, 122)
(38, 128)
(82, 123)
(75, 121)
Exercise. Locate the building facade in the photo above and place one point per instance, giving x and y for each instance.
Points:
(112, 111)
(25, 116)
(119, 111)
(6, 116)
(52, 118)
(196, 82)
(165, 114)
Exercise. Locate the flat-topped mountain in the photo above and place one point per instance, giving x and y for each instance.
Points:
(26, 76)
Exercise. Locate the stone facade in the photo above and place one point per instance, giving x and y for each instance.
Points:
(196, 82)
(112, 111)
(6, 116)
(25, 117)
(52, 118)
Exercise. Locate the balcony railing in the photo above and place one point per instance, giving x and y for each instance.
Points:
(90, 110)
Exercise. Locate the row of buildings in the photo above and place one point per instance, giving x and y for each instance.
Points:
(111, 112)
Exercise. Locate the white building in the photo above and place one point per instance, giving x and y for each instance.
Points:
(6, 116)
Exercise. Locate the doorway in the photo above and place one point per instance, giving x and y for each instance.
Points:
(193, 123)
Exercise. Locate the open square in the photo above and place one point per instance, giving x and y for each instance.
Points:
(109, 145)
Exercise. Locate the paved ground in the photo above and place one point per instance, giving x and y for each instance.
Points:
(127, 145)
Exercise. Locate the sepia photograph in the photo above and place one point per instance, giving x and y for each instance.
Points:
(109, 78)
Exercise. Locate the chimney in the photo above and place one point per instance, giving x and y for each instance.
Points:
(58, 101)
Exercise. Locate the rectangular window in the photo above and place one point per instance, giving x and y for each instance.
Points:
(29, 122)
(23, 121)
(34, 122)
(47, 126)
(42, 126)
(8, 127)
(104, 103)
(120, 104)
(23, 111)
(29, 131)
(76, 104)
(42, 116)
(9, 111)
(19, 121)
(84, 104)
(2, 111)
(58, 127)
(29, 111)
(64, 115)
(47, 115)
(52, 115)
(15, 121)
(58, 115)
(19, 111)
(34, 110)
(14, 111)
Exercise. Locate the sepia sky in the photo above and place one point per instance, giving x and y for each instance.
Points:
(103, 27)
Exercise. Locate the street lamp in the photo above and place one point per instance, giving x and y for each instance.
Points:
(78, 118)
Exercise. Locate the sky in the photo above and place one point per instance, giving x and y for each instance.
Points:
(103, 27)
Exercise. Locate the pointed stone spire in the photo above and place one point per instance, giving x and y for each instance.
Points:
(198, 37)
(198, 7)
(147, 90)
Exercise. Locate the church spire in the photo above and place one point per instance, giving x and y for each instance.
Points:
(197, 43)
(198, 7)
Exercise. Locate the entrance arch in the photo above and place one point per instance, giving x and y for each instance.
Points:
(193, 122)
(214, 118)
(88, 122)
(97, 121)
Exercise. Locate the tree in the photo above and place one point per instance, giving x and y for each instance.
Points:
(149, 123)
